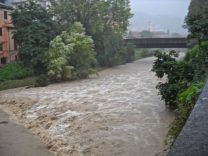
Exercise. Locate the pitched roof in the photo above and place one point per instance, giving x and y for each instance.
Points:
(5, 6)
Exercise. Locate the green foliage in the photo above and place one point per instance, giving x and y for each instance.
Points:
(179, 74)
(106, 28)
(198, 58)
(71, 54)
(34, 29)
(129, 53)
(68, 72)
(14, 71)
(114, 51)
(197, 20)
(185, 80)
(109, 13)
(186, 102)
(189, 96)
(57, 56)
(83, 56)
(41, 81)
(9, 84)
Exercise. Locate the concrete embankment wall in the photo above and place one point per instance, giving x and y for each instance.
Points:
(193, 139)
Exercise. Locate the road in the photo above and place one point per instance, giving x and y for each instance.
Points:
(115, 114)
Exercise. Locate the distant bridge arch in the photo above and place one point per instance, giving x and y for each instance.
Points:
(158, 42)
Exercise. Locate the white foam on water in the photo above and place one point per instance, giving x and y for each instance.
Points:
(117, 113)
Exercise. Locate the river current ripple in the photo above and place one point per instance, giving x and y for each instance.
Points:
(117, 113)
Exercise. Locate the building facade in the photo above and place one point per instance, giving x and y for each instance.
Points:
(8, 49)
(44, 3)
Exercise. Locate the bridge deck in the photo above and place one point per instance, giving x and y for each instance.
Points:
(158, 42)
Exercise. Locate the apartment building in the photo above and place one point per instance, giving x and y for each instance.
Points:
(44, 3)
(8, 49)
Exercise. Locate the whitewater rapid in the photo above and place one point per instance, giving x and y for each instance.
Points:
(117, 113)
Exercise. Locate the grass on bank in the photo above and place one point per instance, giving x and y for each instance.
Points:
(14, 71)
(9, 84)
(15, 75)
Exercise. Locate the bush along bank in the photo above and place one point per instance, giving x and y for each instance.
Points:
(71, 55)
(185, 81)
(15, 75)
(14, 71)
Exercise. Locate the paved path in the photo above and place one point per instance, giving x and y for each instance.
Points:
(15, 140)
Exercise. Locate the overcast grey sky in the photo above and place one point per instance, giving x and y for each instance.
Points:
(163, 14)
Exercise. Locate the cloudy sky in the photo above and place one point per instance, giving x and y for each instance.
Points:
(162, 14)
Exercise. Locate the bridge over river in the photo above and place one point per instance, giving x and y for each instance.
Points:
(158, 42)
(115, 114)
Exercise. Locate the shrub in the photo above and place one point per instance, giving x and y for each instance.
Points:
(34, 29)
(8, 84)
(14, 71)
(130, 53)
(185, 104)
(71, 54)
(111, 50)
(185, 80)
(68, 72)
(198, 57)
(179, 74)
(41, 81)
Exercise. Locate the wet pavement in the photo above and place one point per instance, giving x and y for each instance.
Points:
(18, 141)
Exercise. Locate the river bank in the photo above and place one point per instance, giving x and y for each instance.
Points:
(18, 141)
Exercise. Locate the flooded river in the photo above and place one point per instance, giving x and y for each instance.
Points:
(117, 113)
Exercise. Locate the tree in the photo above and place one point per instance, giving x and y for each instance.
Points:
(93, 14)
(88, 12)
(184, 81)
(102, 20)
(34, 30)
(197, 20)
(71, 54)
(179, 74)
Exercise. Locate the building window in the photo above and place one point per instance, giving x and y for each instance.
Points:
(1, 47)
(5, 15)
(15, 45)
(3, 60)
(0, 31)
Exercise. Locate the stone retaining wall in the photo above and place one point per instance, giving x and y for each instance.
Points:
(193, 139)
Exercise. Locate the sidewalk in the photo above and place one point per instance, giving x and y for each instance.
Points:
(15, 140)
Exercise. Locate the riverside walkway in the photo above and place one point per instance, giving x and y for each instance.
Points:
(15, 140)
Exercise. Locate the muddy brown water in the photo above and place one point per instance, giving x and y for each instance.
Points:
(115, 114)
